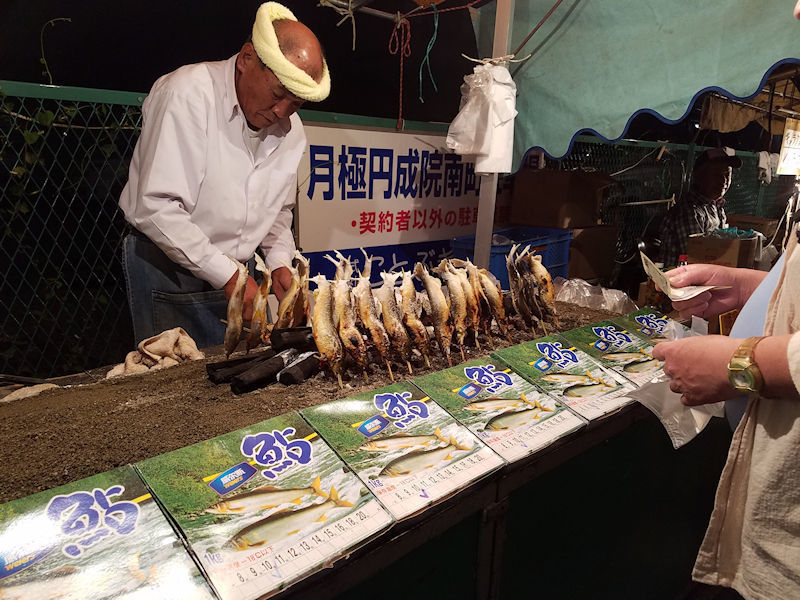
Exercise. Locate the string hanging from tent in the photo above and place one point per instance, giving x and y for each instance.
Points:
(427, 59)
(400, 43)
(346, 12)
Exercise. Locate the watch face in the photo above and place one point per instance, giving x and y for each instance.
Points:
(741, 380)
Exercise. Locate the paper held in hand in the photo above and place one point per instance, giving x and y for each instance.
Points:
(662, 281)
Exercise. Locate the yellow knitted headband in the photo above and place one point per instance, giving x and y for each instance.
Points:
(297, 81)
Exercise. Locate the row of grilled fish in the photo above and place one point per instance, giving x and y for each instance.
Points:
(458, 301)
(347, 320)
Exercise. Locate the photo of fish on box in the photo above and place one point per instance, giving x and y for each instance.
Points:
(618, 349)
(409, 451)
(264, 506)
(570, 375)
(511, 415)
(100, 537)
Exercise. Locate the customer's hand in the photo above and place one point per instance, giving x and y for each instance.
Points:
(736, 286)
(698, 367)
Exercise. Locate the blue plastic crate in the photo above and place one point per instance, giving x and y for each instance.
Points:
(552, 244)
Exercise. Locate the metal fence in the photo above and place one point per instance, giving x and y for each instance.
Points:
(64, 155)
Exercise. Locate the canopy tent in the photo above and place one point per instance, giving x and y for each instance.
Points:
(595, 64)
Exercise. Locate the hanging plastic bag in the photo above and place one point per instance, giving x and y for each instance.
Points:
(484, 126)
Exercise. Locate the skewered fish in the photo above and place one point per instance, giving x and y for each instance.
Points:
(547, 292)
(233, 329)
(473, 306)
(410, 308)
(458, 303)
(494, 297)
(393, 319)
(517, 287)
(258, 324)
(301, 309)
(369, 315)
(345, 319)
(286, 305)
(440, 313)
(323, 327)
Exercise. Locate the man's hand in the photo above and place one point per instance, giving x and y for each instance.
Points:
(698, 367)
(281, 281)
(738, 286)
(249, 294)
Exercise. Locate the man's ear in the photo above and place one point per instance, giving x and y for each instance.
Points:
(245, 56)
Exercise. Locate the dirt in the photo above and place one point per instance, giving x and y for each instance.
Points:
(93, 425)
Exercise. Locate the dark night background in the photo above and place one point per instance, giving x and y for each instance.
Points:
(128, 45)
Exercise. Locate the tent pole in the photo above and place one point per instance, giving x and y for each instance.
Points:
(504, 13)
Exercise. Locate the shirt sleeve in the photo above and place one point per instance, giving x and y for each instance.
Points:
(170, 165)
(793, 356)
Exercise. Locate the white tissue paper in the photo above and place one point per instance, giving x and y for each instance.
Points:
(483, 129)
(682, 423)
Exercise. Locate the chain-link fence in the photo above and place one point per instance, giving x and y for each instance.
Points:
(64, 155)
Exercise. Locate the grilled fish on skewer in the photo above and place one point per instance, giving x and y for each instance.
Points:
(301, 309)
(516, 286)
(344, 315)
(484, 310)
(440, 313)
(233, 329)
(258, 324)
(547, 292)
(324, 329)
(410, 309)
(494, 298)
(393, 319)
(530, 288)
(458, 303)
(368, 313)
(473, 308)
(286, 305)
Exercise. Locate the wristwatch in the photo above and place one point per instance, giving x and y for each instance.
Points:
(743, 372)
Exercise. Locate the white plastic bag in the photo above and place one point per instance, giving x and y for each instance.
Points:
(580, 292)
(484, 126)
(682, 423)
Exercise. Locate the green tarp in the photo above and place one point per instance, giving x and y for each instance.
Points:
(595, 63)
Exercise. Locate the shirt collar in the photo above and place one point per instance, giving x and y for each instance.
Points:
(232, 108)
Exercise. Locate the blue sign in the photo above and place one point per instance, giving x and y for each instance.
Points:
(232, 478)
(374, 425)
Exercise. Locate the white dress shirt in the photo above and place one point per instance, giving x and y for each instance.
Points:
(197, 189)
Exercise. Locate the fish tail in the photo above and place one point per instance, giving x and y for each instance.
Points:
(439, 436)
(315, 485)
(337, 500)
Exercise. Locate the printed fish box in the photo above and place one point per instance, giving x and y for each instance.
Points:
(570, 375)
(100, 537)
(650, 323)
(509, 414)
(618, 349)
(409, 451)
(264, 506)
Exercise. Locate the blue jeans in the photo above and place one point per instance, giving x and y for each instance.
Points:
(162, 295)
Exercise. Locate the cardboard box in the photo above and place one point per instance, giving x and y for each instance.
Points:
(558, 199)
(720, 251)
(760, 224)
(592, 251)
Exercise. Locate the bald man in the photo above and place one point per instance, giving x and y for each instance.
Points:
(213, 177)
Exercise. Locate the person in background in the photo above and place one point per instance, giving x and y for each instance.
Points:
(701, 210)
(213, 178)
